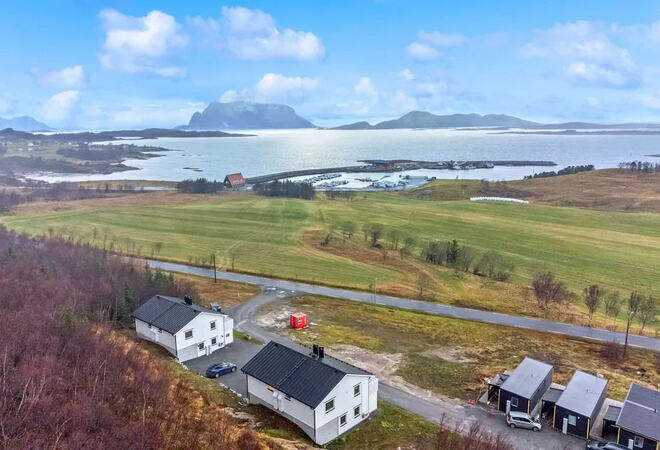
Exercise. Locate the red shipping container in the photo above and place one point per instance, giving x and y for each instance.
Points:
(298, 320)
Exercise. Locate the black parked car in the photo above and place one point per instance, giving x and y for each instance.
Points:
(597, 445)
(220, 369)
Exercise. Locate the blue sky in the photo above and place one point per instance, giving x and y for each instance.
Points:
(91, 64)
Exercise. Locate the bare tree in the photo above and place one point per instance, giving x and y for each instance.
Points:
(465, 258)
(424, 281)
(634, 302)
(374, 231)
(593, 295)
(348, 229)
(648, 310)
(394, 236)
(547, 289)
(612, 304)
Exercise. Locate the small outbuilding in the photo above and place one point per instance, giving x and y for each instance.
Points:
(579, 404)
(234, 180)
(322, 395)
(183, 328)
(639, 419)
(523, 389)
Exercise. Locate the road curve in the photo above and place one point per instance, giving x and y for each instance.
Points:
(421, 306)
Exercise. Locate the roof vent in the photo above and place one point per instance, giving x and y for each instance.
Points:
(321, 352)
(315, 350)
(215, 306)
(187, 299)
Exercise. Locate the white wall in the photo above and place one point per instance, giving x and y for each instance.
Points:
(345, 401)
(292, 407)
(154, 334)
(203, 334)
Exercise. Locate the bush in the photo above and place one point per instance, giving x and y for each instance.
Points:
(494, 266)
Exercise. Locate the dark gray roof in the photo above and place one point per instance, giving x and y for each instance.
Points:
(583, 393)
(612, 413)
(170, 314)
(641, 412)
(552, 395)
(297, 374)
(498, 379)
(527, 377)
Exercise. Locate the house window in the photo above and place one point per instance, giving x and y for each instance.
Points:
(514, 402)
(356, 411)
(639, 441)
(214, 341)
(356, 390)
(201, 346)
(188, 334)
(342, 420)
(572, 420)
(329, 405)
(213, 325)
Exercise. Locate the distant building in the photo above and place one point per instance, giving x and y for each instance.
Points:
(185, 329)
(234, 180)
(639, 419)
(522, 389)
(324, 396)
(578, 406)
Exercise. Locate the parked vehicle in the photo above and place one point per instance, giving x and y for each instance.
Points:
(598, 445)
(220, 369)
(517, 419)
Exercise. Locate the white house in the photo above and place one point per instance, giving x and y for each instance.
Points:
(322, 395)
(186, 330)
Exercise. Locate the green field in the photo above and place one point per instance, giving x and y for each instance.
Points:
(266, 235)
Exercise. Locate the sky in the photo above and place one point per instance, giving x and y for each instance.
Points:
(87, 64)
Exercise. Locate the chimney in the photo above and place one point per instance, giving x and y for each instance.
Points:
(315, 350)
(321, 352)
(187, 299)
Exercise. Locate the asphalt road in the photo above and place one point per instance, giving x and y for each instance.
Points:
(451, 414)
(417, 305)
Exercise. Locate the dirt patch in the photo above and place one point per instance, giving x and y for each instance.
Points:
(451, 354)
(276, 320)
(384, 366)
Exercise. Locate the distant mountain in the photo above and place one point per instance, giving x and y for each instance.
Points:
(90, 136)
(421, 119)
(246, 116)
(23, 123)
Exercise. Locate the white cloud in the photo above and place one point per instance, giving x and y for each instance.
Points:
(588, 52)
(160, 113)
(438, 39)
(422, 52)
(141, 44)
(69, 77)
(6, 106)
(365, 88)
(407, 75)
(59, 107)
(594, 102)
(277, 87)
(647, 100)
(428, 45)
(251, 34)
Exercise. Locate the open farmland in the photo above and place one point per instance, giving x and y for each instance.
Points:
(280, 237)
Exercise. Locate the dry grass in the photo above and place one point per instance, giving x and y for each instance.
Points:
(485, 349)
(610, 189)
(226, 293)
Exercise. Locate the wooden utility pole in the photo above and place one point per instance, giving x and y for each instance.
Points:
(215, 275)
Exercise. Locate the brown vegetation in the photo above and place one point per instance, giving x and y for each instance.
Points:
(66, 380)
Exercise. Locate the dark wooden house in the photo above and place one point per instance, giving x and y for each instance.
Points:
(578, 406)
(639, 419)
(524, 387)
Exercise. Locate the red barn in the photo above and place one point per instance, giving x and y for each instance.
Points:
(234, 180)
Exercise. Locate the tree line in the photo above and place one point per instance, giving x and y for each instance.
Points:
(199, 186)
(67, 380)
(287, 188)
(570, 170)
(640, 166)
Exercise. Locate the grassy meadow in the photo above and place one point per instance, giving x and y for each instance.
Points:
(281, 237)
